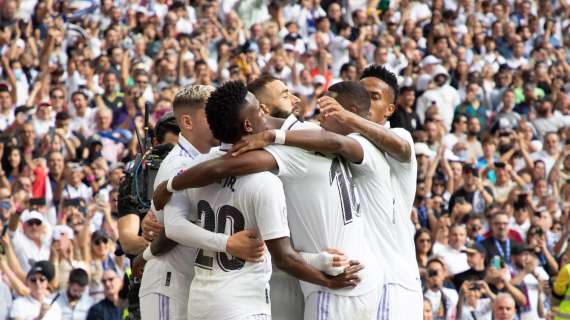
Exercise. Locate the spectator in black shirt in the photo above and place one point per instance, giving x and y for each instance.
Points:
(405, 116)
(110, 307)
(499, 244)
(476, 261)
(472, 192)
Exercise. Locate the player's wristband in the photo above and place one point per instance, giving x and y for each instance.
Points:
(169, 185)
(279, 137)
(147, 254)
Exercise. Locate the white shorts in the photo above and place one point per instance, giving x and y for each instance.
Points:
(155, 306)
(398, 302)
(322, 305)
(287, 301)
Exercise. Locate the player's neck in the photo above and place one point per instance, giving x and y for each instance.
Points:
(202, 145)
(274, 123)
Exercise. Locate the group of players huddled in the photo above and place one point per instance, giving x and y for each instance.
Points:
(280, 218)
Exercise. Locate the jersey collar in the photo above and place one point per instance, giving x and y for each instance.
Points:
(225, 146)
(187, 147)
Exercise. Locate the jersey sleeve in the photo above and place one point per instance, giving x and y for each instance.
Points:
(370, 159)
(292, 162)
(181, 230)
(270, 208)
(407, 165)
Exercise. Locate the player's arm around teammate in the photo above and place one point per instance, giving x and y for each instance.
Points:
(380, 136)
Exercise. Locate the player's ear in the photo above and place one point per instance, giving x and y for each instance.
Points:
(390, 110)
(264, 108)
(187, 122)
(247, 127)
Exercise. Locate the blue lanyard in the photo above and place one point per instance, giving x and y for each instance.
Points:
(507, 257)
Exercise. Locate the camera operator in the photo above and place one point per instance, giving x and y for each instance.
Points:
(131, 215)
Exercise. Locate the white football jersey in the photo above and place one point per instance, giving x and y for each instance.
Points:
(324, 209)
(372, 177)
(224, 287)
(404, 269)
(171, 273)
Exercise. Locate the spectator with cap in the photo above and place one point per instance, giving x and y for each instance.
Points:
(64, 255)
(476, 260)
(446, 97)
(443, 300)
(75, 301)
(101, 258)
(32, 242)
(110, 307)
(40, 304)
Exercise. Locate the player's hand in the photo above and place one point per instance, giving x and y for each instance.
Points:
(337, 262)
(253, 142)
(331, 109)
(137, 266)
(161, 196)
(151, 227)
(347, 279)
(246, 246)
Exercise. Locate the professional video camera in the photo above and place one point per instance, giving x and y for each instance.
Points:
(135, 191)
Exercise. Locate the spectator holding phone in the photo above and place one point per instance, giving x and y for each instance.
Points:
(475, 301)
(472, 192)
(536, 239)
(443, 300)
(528, 275)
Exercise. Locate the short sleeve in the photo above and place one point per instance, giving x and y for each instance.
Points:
(292, 162)
(270, 208)
(394, 163)
(370, 160)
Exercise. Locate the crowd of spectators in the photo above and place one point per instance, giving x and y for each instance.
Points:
(485, 91)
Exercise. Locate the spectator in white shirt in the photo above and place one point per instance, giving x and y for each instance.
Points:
(83, 121)
(33, 243)
(39, 304)
(444, 95)
(74, 187)
(75, 301)
(549, 152)
(443, 300)
(454, 258)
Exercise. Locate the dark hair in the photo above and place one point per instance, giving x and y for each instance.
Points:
(79, 277)
(62, 116)
(259, 84)
(79, 92)
(6, 166)
(381, 73)
(223, 111)
(167, 123)
(346, 66)
(352, 93)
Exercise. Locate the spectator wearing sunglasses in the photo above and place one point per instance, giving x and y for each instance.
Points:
(39, 304)
(32, 242)
(101, 259)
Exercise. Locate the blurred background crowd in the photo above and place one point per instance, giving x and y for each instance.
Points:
(484, 90)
